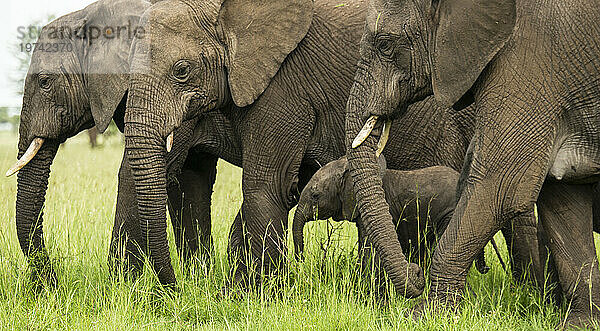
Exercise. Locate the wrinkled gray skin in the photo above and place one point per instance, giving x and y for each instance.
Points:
(442, 139)
(80, 96)
(269, 71)
(68, 91)
(421, 204)
(279, 137)
(531, 70)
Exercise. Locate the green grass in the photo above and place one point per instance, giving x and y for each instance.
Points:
(324, 292)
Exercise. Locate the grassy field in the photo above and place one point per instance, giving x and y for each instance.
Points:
(324, 292)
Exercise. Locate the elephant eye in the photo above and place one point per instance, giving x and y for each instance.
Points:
(45, 82)
(385, 47)
(181, 70)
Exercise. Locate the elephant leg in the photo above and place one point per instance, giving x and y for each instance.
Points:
(271, 167)
(502, 182)
(596, 206)
(521, 236)
(568, 224)
(189, 200)
(370, 266)
(550, 287)
(263, 223)
(549, 282)
(126, 234)
(236, 250)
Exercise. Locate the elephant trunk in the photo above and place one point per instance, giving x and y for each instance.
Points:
(302, 215)
(407, 278)
(32, 183)
(145, 149)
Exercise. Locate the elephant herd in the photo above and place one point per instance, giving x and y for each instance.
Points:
(496, 101)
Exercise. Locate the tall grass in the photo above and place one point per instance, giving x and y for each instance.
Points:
(324, 292)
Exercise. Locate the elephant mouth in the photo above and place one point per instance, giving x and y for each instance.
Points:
(368, 128)
(201, 105)
(198, 103)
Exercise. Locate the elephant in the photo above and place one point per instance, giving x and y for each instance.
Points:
(77, 79)
(298, 94)
(94, 95)
(421, 203)
(530, 70)
(277, 72)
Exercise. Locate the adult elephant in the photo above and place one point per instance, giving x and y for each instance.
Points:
(77, 79)
(280, 69)
(530, 69)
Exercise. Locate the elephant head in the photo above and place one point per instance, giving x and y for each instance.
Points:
(409, 50)
(323, 197)
(198, 56)
(77, 79)
(328, 194)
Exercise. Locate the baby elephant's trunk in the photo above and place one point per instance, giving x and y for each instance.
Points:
(303, 214)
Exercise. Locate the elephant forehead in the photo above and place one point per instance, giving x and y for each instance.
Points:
(174, 29)
(332, 170)
(388, 16)
(180, 17)
(54, 62)
(162, 46)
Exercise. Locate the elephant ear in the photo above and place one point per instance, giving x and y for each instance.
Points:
(105, 58)
(258, 36)
(468, 34)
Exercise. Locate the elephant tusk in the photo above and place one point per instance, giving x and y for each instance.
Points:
(365, 131)
(385, 135)
(170, 142)
(35, 146)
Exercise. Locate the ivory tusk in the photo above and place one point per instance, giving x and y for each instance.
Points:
(365, 131)
(385, 135)
(170, 142)
(35, 146)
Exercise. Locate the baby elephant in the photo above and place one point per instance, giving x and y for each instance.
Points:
(421, 204)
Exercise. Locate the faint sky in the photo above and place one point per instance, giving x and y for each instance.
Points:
(17, 13)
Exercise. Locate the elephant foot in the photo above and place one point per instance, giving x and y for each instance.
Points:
(372, 274)
(378, 289)
(167, 278)
(242, 278)
(200, 255)
(44, 277)
(436, 306)
(419, 311)
(581, 321)
(171, 288)
(42, 272)
(230, 293)
(438, 302)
